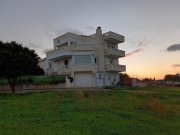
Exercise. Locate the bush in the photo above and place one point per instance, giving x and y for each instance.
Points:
(56, 81)
(37, 80)
(110, 87)
(71, 79)
(25, 80)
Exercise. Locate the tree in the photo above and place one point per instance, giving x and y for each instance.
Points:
(173, 78)
(16, 61)
(146, 80)
(123, 78)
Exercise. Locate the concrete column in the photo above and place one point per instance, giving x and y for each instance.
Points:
(100, 49)
(68, 83)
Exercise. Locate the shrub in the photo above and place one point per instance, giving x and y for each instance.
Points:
(57, 81)
(70, 78)
(110, 87)
(25, 80)
(30, 79)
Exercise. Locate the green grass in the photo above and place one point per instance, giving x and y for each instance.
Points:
(91, 113)
(39, 79)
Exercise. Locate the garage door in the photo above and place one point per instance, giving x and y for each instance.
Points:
(83, 79)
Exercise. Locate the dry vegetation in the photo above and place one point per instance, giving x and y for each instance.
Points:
(91, 113)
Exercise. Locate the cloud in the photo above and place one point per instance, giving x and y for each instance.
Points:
(46, 50)
(65, 30)
(141, 44)
(32, 45)
(134, 52)
(175, 47)
(54, 31)
(176, 65)
(90, 28)
(50, 34)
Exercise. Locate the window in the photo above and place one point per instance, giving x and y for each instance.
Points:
(109, 77)
(50, 65)
(66, 62)
(100, 76)
(82, 59)
(110, 46)
(72, 43)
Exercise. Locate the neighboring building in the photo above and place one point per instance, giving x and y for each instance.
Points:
(92, 61)
(130, 82)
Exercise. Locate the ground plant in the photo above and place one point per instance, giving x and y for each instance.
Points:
(143, 111)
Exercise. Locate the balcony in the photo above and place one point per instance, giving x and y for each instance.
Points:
(64, 70)
(113, 37)
(114, 53)
(115, 68)
(82, 47)
(68, 69)
(87, 67)
(66, 51)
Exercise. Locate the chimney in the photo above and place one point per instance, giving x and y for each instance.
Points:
(100, 49)
(98, 31)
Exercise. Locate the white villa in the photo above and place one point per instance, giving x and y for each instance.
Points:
(92, 61)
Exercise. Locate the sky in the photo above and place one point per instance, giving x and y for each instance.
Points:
(151, 28)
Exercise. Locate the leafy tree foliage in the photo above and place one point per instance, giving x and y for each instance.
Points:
(16, 61)
(173, 78)
(123, 78)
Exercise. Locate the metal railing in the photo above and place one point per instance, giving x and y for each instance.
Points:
(64, 69)
(70, 48)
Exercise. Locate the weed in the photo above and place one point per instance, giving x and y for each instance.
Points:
(155, 105)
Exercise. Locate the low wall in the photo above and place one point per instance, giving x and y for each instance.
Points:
(33, 87)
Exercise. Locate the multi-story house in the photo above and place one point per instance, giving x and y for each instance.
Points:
(92, 61)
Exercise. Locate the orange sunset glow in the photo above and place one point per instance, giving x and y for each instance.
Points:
(151, 29)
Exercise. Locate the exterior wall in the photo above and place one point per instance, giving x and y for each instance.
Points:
(44, 65)
(107, 79)
(55, 66)
(68, 37)
(58, 64)
(69, 45)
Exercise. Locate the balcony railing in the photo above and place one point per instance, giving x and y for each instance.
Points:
(115, 53)
(67, 50)
(67, 69)
(115, 68)
(64, 70)
(113, 37)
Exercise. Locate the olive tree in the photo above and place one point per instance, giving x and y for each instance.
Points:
(17, 61)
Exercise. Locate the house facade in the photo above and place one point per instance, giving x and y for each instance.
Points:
(92, 61)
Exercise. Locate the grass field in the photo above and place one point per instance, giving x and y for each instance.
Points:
(147, 111)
